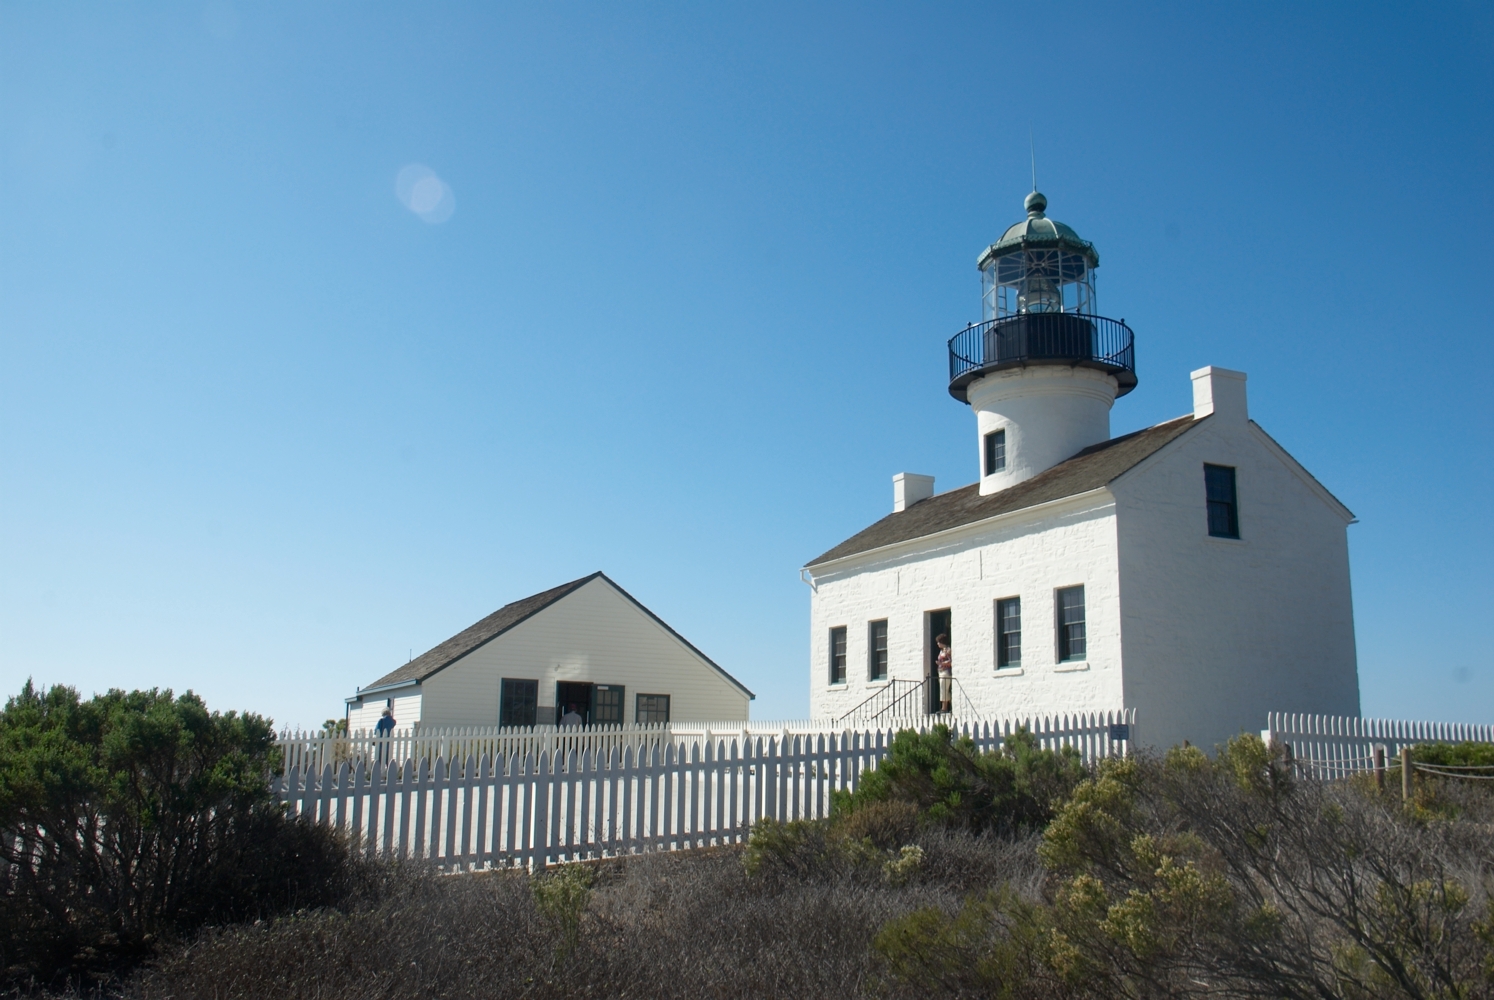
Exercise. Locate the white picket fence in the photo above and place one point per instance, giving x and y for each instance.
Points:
(310, 750)
(532, 809)
(1336, 746)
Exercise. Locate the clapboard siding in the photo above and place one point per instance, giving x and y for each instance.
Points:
(594, 634)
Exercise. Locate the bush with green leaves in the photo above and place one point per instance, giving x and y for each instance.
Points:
(1456, 755)
(135, 816)
(951, 783)
(1187, 876)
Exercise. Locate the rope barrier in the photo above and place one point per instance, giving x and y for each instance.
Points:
(1430, 769)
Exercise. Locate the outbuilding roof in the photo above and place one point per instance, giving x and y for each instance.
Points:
(504, 619)
(1094, 467)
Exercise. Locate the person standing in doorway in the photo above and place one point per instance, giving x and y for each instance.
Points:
(945, 663)
(571, 717)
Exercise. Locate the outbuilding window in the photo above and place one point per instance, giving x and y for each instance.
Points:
(1071, 639)
(609, 704)
(653, 708)
(1009, 632)
(877, 647)
(518, 701)
(1219, 490)
(838, 655)
(995, 452)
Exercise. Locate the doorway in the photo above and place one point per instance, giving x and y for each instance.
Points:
(935, 623)
(575, 694)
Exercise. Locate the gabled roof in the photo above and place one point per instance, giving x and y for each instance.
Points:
(1094, 467)
(504, 619)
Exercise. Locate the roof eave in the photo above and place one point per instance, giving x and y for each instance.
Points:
(381, 688)
(692, 647)
(577, 585)
(840, 561)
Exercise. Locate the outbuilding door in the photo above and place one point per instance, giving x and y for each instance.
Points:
(574, 694)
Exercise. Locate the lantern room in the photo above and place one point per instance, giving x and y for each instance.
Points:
(1038, 266)
(1038, 296)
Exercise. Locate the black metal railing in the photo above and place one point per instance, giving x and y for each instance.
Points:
(898, 699)
(1042, 338)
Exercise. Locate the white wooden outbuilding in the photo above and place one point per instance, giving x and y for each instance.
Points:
(587, 644)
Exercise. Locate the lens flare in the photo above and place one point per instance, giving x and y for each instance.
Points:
(421, 191)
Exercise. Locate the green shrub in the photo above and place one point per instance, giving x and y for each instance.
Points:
(1195, 877)
(886, 826)
(1466, 754)
(951, 784)
(130, 817)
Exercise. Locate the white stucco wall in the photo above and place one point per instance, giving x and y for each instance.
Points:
(1028, 554)
(1049, 413)
(594, 634)
(1218, 632)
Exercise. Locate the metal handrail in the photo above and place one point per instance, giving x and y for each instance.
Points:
(882, 692)
(1042, 338)
(916, 688)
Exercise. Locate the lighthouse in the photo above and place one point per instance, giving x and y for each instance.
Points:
(1043, 368)
(1187, 578)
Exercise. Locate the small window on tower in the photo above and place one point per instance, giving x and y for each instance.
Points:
(1219, 490)
(995, 452)
(877, 647)
(838, 655)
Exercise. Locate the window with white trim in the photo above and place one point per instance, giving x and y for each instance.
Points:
(838, 655)
(1009, 632)
(1071, 638)
(876, 668)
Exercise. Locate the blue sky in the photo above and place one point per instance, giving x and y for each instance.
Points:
(677, 306)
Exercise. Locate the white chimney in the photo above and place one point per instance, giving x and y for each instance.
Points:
(908, 488)
(1220, 392)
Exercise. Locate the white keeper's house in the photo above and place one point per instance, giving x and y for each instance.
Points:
(588, 644)
(1193, 571)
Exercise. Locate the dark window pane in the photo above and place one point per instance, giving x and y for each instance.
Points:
(518, 701)
(1009, 632)
(1071, 637)
(1219, 492)
(995, 452)
(652, 708)
(878, 646)
(838, 655)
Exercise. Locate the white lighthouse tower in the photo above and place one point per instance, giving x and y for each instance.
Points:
(1043, 369)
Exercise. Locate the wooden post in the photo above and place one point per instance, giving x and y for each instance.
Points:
(1405, 774)
(1380, 770)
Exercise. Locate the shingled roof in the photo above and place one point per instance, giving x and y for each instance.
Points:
(507, 617)
(1092, 468)
(470, 638)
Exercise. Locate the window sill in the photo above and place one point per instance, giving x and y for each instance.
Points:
(837, 686)
(1071, 665)
(1226, 541)
(1007, 672)
(880, 682)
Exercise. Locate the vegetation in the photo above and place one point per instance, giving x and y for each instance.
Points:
(1015, 874)
(130, 818)
(951, 784)
(1186, 876)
